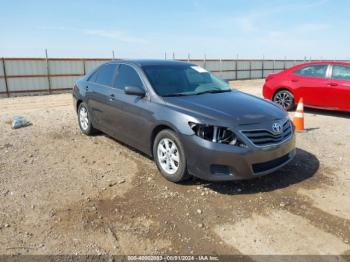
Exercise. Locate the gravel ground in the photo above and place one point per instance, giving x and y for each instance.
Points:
(65, 193)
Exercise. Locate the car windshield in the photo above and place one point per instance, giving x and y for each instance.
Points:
(183, 80)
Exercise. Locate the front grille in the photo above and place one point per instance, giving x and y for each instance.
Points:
(261, 167)
(265, 137)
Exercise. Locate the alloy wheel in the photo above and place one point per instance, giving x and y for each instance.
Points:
(284, 98)
(168, 155)
(83, 118)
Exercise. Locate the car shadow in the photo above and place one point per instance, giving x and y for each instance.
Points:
(327, 112)
(304, 166)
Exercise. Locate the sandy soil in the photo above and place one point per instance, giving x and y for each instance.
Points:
(65, 193)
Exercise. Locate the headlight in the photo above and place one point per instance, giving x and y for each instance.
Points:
(216, 134)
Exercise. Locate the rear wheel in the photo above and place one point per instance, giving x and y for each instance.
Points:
(285, 99)
(169, 156)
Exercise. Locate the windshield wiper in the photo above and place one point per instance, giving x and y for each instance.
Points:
(213, 91)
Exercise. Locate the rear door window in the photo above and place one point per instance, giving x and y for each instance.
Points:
(105, 74)
(312, 71)
(92, 77)
(341, 72)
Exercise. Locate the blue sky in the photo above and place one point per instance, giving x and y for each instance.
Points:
(148, 28)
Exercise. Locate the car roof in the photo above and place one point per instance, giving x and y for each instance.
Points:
(153, 62)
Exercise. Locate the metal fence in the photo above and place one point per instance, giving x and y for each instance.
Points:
(28, 76)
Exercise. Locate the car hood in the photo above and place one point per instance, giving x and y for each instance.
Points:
(228, 106)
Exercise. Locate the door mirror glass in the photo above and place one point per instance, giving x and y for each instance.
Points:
(134, 90)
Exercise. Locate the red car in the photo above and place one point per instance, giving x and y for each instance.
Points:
(321, 85)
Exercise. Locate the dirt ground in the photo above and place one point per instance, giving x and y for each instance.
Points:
(65, 193)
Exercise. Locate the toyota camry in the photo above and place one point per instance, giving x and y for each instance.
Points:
(189, 121)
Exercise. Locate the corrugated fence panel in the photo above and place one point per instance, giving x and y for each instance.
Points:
(29, 75)
(63, 82)
(268, 65)
(243, 65)
(243, 75)
(290, 64)
(213, 65)
(279, 65)
(256, 65)
(25, 67)
(66, 67)
(227, 65)
(256, 74)
(229, 75)
(2, 87)
(28, 83)
(2, 80)
(267, 72)
(1, 68)
(92, 64)
(197, 62)
(277, 70)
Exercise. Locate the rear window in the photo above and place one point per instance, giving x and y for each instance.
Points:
(105, 74)
(312, 71)
(341, 72)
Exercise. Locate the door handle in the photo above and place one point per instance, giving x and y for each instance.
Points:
(295, 80)
(333, 84)
(111, 97)
(87, 88)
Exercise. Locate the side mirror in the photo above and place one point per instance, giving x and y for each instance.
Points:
(134, 91)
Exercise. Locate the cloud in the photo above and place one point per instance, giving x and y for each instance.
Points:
(114, 34)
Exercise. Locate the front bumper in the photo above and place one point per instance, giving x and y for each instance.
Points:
(221, 162)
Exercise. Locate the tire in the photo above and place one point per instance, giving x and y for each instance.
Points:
(170, 160)
(285, 99)
(84, 120)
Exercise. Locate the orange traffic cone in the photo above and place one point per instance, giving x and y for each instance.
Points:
(299, 117)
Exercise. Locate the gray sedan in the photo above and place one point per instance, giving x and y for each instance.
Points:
(189, 121)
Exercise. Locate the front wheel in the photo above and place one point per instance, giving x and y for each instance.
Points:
(285, 99)
(84, 120)
(170, 157)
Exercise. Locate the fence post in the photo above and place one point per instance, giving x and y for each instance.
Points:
(236, 67)
(188, 57)
(263, 68)
(173, 56)
(250, 69)
(284, 63)
(205, 61)
(5, 77)
(48, 70)
(84, 67)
